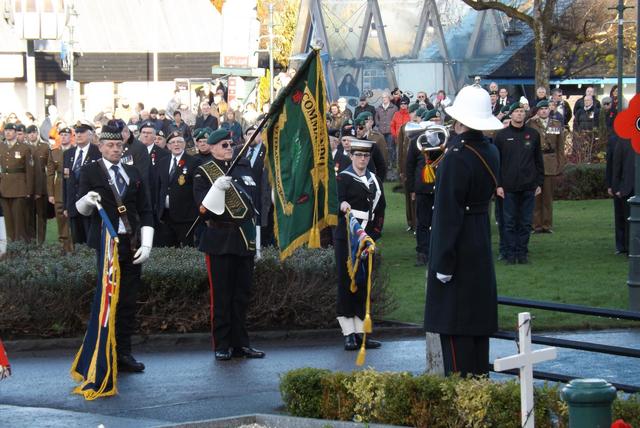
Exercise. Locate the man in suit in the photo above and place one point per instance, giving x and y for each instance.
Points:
(174, 205)
(156, 154)
(55, 181)
(74, 160)
(38, 218)
(622, 187)
(16, 183)
(120, 188)
(206, 120)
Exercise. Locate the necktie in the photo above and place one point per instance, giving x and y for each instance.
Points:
(78, 163)
(121, 185)
(174, 167)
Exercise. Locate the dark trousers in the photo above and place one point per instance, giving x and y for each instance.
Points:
(16, 214)
(498, 211)
(517, 212)
(173, 234)
(348, 304)
(130, 279)
(621, 212)
(467, 355)
(230, 279)
(391, 149)
(79, 226)
(424, 215)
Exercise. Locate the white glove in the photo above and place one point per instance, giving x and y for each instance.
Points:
(146, 242)
(223, 183)
(3, 237)
(443, 278)
(432, 139)
(344, 206)
(87, 203)
(214, 200)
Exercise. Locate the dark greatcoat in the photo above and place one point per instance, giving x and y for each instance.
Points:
(461, 242)
(353, 191)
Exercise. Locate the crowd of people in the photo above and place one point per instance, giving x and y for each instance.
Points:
(170, 183)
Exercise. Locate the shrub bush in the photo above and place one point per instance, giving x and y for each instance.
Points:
(425, 400)
(583, 181)
(46, 293)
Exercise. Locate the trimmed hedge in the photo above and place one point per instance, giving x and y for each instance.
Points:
(582, 181)
(46, 293)
(425, 400)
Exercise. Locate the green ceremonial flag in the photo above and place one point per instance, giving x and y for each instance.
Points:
(299, 160)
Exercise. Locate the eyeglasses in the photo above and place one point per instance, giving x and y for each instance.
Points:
(226, 145)
(606, 104)
(361, 155)
(421, 97)
(360, 127)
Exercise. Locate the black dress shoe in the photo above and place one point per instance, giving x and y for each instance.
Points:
(247, 352)
(523, 260)
(368, 344)
(126, 363)
(223, 355)
(421, 259)
(510, 260)
(350, 343)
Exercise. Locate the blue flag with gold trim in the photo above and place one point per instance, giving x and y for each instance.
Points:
(95, 365)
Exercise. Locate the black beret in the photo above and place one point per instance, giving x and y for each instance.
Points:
(64, 130)
(153, 110)
(147, 124)
(32, 128)
(20, 127)
(174, 134)
(10, 126)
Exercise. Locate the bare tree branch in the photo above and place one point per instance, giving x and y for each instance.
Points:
(510, 11)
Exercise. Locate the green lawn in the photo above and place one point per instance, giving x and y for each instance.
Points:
(576, 265)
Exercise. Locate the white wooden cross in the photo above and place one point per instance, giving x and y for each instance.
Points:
(524, 362)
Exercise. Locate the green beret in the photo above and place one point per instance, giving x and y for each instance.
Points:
(20, 127)
(218, 135)
(10, 126)
(505, 109)
(515, 106)
(201, 133)
(363, 117)
(542, 104)
(430, 114)
(421, 111)
(413, 107)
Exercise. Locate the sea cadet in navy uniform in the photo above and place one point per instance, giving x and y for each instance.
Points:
(360, 191)
(229, 244)
(120, 188)
(461, 303)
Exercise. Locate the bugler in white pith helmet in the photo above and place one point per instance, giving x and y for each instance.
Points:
(472, 107)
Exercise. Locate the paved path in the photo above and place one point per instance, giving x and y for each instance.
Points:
(187, 384)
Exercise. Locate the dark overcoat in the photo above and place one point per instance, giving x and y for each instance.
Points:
(461, 242)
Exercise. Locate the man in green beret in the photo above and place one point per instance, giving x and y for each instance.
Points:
(200, 136)
(552, 141)
(226, 200)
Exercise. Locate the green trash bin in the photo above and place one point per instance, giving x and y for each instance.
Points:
(589, 402)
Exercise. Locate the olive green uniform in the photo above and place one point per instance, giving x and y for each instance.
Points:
(16, 187)
(55, 178)
(552, 144)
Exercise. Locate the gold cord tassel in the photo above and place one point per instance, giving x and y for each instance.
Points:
(368, 324)
(363, 352)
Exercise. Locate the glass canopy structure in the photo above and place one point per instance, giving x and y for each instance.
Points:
(373, 45)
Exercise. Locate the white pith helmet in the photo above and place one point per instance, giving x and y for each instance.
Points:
(472, 107)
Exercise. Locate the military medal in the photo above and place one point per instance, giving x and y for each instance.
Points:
(181, 180)
(18, 155)
(184, 170)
